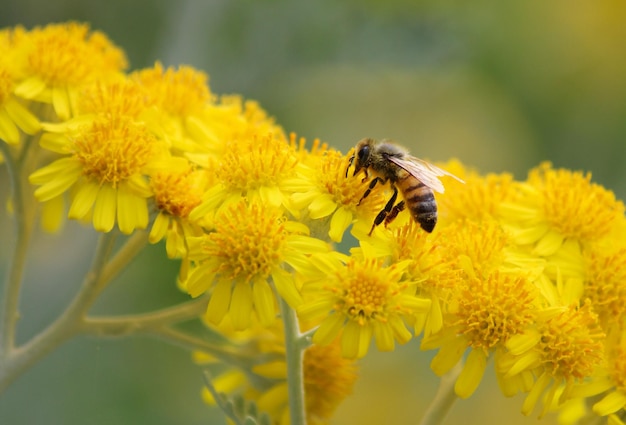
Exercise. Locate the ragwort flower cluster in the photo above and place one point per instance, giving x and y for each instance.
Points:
(528, 274)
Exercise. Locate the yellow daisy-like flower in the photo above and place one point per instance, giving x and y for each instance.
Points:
(105, 172)
(328, 192)
(259, 168)
(433, 271)
(176, 193)
(484, 314)
(61, 59)
(557, 205)
(358, 301)
(565, 346)
(249, 245)
(181, 98)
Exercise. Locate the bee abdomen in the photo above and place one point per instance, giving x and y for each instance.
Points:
(420, 200)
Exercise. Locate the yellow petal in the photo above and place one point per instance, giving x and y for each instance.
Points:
(610, 404)
(471, 375)
(52, 214)
(448, 356)
(533, 396)
(264, 302)
(355, 340)
(30, 88)
(55, 178)
(384, 337)
(342, 218)
(548, 244)
(83, 201)
(8, 129)
(322, 206)
(241, 306)
(22, 117)
(159, 227)
(329, 329)
(61, 103)
(132, 211)
(286, 287)
(105, 209)
(220, 302)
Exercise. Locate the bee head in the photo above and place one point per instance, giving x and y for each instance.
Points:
(362, 152)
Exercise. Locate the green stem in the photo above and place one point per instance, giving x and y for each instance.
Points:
(294, 353)
(444, 399)
(9, 303)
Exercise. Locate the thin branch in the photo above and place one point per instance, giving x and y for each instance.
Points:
(9, 303)
(444, 399)
(119, 326)
(64, 327)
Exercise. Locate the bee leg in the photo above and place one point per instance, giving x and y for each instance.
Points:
(350, 161)
(373, 184)
(388, 208)
(394, 212)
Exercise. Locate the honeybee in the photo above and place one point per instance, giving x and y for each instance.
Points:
(415, 178)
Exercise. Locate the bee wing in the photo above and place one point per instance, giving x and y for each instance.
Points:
(422, 170)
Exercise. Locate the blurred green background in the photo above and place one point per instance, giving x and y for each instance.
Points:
(499, 85)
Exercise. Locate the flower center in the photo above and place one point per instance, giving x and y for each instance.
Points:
(112, 150)
(571, 343)
(328, 380)
(493, 309)
(366, 292)
(346, 191)
(248, 240)
(254, 162)
(604, 285)
(573, 205)
(68, 54)
(180, 92)
(177, 193)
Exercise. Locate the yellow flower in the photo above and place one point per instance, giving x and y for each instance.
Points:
(559, 205)
(258, 168)
(358, 301)
(61, 59)
(483, 315)
(181, 99)
(249, 245)
(105, 171)
(433, 271)
(328, 192)
(176, 193)
(565, 346)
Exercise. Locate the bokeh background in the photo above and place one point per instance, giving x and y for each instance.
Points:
(499, 85)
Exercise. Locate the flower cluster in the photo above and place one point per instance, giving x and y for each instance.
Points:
(528, 273)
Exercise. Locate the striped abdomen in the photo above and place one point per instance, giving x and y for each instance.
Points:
(420, 201)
